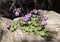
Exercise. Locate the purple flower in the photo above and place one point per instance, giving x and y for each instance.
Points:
(35, 11)
(29, 15)
(45, 19)
(16, 13)
(43, 22)
(25, 18)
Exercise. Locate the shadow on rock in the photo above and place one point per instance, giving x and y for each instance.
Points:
(1, 34)
(24, 40)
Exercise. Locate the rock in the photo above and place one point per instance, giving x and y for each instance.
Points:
(17, 35)
(53, 24)
(6, 34)
(0, 34)
(53, 19)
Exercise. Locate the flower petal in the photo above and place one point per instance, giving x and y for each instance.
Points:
(35, 11)
(16, 13)
(43, 22)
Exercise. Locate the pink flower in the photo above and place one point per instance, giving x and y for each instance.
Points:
(43, 23)
(16, 13)
(44, 19)
(35, 11)
(29, 15)
(26, 17)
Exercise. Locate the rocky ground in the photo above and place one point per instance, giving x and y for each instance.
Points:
(53, 25)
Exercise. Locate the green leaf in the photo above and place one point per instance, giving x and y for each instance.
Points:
(34, 19)
(31, 26)
(29, 22)
(26, 28)
(11, 29)
(35, 29)
(42, 33)
(46, 33)
(30, 30)
(22, 28)
(33, 16)
(23, 22)
(12, 24)
(18, 24)
(35, 24)
(39, 28)
(46, 29)
(15, 27)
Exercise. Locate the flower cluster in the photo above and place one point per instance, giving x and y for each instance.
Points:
(44, 19)
(26, 17)
(32, 23)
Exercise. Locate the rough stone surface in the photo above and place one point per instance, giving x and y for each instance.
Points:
(53, 24)
(6, 34)
(17, 35)
(22, 37)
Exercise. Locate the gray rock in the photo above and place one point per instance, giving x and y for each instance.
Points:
(53, 24)
(6, 34)
(17, 35)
